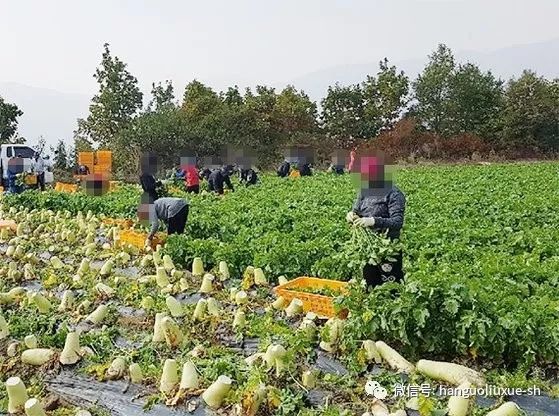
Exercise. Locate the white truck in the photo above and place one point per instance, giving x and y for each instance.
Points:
(7, 151)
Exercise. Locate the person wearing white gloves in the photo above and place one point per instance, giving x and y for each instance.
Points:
(380, 205)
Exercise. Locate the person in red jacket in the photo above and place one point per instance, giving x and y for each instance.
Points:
(191, 178)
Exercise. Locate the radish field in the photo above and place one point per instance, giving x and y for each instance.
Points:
(482, 273)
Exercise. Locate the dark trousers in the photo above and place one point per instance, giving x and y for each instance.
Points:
(384, 272)
(41, 181)
(194, 189)
(178, 222)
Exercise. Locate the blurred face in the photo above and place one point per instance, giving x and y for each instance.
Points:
(96, 185)
(371, 176)
(146, 213)
(188, 162)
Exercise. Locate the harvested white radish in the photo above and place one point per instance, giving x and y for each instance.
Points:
(371, 352)
(136, 375)
(294, 308)
(506, 409)
(223, 271)
(17, 395)
(98, 315)
(393, 359)
(259, 277)
(34, 408)
(207, 284)
(71, 352)
(216, 393)
(171, 331)
(459, 404)
(451, 373)
(30, 341)
(189, 378)
(197, 267)
(37, 356)
(117, 369)
(158, 332)
(175, 307)
(170, 377)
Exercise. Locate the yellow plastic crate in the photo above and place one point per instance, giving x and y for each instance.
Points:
(138, 239)
(123, 223)
(31, 179)
(65, 187)
(319, 304)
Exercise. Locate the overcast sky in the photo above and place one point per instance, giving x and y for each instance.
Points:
(57, 44)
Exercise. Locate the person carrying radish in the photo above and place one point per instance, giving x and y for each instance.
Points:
(171, 211)
(380, 206)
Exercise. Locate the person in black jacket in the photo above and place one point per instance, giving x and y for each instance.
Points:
(148, 166)
(284, 169)
(380, 205)
(248, 176)
(219, 177)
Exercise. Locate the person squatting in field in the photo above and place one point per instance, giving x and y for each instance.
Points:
(379, 205)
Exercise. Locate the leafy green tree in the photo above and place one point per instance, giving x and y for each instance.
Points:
(60, 156)
(162, 96)
(9, 114)
(531, 113)
(475, 101)
(342, 115)
(294, 116)
(116, 103)
(432, 90)
(385, 98)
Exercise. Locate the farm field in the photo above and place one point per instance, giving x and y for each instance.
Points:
(481, 289)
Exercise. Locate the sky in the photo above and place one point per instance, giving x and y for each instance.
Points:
(57, 44)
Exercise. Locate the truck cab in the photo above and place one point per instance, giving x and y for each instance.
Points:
(7, 151)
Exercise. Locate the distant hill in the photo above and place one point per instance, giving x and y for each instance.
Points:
(542, 57)
(46, 112)
(53, 114)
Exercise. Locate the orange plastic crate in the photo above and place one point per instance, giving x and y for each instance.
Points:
(65, 187)
(319, 304)
(138, 239)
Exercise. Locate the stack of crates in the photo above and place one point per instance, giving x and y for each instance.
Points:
(104, 162)
(87, 159)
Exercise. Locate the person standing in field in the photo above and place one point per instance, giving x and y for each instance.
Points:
(380, 205)
(191, 178)
(39, 167)
(148, 167)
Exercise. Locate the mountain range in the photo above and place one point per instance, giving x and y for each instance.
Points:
(52, 114)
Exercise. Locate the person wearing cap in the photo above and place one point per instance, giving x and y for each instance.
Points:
(173, 212)
(380, 206)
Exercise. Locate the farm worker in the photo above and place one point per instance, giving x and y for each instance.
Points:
(380, 205)
(217, 178)
(15, 168)
(172, 211)
(191, 178)
(284, 169)
(83, 170)
(148, 166)
(248, 176)
(337, 165)
(40, 168)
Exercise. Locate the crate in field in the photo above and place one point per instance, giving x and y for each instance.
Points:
(322, 305)
(65, 187)
(137, 239)
(121, 222)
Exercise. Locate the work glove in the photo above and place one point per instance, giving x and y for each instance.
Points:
(365, 222)
(351, 217)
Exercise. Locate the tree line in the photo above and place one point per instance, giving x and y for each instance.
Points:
(449, 105)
